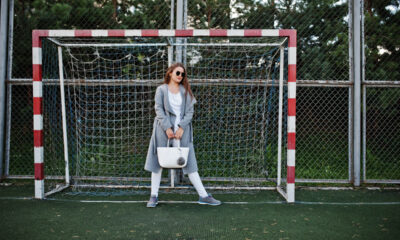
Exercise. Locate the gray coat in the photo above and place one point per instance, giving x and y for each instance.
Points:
(164, 119)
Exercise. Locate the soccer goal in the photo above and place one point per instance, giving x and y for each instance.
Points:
(93, 98)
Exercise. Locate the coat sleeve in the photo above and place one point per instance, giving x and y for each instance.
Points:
(161, 116)
(188, 114)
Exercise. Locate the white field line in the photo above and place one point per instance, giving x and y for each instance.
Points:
(195, 202)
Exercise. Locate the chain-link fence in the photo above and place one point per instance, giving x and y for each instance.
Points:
(19, 127)
(381, 134)
(322, 29)
(324, 101)
(322, 131)
(381, 92)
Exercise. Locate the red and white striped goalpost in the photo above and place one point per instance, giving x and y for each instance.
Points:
(38, 86)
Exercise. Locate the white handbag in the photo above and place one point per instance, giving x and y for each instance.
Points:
(172, 157)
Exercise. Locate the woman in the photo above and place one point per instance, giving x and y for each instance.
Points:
(174, 105)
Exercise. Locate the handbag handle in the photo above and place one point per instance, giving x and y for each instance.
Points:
(179, 143)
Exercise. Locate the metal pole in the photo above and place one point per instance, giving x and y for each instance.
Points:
(350, 107)
(63, 112)
(179, 14)
(179, 25)
(364, 99)
(364, 133)
(177, 175)
(172, 174)
(357, 90)
(10, 40)
(9, 87)
(170, 60)
(185, 9)
(350, 131)
(278, 182)
(3, 74)
(8, 130)
(171, 48)
(172, 14)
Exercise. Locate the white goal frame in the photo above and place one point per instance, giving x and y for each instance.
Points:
(291, 34)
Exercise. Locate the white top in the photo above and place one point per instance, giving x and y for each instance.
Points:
(175, 101)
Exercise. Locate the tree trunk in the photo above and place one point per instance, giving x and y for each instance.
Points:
(115, 10)
(209, 17)
(368, 6)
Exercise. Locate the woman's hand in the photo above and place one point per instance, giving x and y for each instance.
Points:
(179, 133)
(170, 133)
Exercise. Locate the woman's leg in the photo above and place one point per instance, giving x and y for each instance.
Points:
(204, 197)
(155, 182)
(194, 178)
(198, 185)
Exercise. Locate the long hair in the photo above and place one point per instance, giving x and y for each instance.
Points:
(184, 81)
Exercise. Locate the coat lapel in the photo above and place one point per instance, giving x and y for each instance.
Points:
(168, 107)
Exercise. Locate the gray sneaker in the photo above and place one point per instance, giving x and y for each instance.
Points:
(209, 200)
(152, 202)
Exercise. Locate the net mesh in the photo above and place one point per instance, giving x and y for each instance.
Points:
(109, 96)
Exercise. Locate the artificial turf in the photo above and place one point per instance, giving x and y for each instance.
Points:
(350, 214)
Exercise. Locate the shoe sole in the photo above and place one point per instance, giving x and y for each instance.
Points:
(151, 206)
(211, 204)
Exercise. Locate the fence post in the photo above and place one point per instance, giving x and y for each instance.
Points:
(350, 105)
(170, 47)
(185, 11)
(3, 74)
(179, 25)
(177, 174)
(357, 89)
(364, 96)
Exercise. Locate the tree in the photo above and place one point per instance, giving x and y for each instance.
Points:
(209, 14)
(382, 31)
(80, 14)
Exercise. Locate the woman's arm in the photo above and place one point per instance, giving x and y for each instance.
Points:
(160, 113)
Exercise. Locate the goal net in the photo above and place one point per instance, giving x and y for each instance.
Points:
(102, 91)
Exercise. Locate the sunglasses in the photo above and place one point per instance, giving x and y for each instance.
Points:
(178, 73)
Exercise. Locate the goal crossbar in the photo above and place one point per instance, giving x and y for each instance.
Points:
(163, 44)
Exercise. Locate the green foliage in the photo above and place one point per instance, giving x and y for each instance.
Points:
(210, 13)
(382, 29)
(321, 25)
(80, 14)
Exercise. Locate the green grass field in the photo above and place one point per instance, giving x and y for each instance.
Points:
(322, 214)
